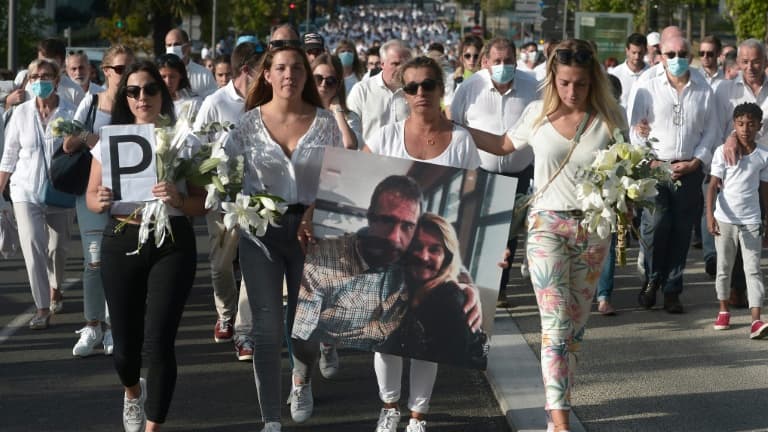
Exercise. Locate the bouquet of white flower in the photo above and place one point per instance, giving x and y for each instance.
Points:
(620, 178)
(61, 127)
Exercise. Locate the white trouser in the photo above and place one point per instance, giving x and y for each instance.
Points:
(389, 374)
(43, 234)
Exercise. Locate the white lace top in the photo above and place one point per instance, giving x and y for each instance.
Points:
(267, 167)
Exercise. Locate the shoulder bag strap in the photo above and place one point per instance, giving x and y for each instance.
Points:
(91, 118)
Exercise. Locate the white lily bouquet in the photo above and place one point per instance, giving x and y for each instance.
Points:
(620, 178)
(61, 127)
(252, 214)
(170, 143)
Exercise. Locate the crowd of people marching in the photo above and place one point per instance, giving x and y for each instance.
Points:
(401, 84)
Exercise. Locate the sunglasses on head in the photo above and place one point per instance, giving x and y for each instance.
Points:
(280, 43)
(706, 53)
(427, 85)
(330, 81)
(579, 56)
(471, 56)
(671, 54)
(119, 69)
(151, 89)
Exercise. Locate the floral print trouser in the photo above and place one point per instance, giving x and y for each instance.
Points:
(564, 263)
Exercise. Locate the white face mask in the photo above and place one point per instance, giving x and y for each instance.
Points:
(178, 50)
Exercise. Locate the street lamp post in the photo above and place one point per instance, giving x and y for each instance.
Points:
(12, 9)
(213, 29)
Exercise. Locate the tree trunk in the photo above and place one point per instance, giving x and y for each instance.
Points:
(688, 22)
(704, 12)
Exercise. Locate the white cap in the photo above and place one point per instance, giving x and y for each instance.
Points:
(653, 38)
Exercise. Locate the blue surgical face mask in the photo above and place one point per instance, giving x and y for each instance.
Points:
(677, 66)
(503, 73)
(347, 58)
(42, 88)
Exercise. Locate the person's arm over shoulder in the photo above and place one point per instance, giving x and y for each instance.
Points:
(711, 137)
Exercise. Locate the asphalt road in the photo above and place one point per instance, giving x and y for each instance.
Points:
(43, 388)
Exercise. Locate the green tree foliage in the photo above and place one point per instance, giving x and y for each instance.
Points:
(249, 16)
(29, 27)
(749, 18)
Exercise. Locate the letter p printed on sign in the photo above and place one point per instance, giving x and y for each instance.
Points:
(128, 161)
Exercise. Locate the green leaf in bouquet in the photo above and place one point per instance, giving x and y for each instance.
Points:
(208, 165)
(217, 182)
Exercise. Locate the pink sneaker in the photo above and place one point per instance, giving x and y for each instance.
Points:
(723, 321)
(759, 330)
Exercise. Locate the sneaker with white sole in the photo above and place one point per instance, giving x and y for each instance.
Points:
(271, 427)
(415, 425)
(134, 416)
(301, 402)
(90, 336)
(108, 343)
(388, 420)
(329, 360)
(758, 330)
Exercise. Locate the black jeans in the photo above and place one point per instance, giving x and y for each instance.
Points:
(523, 183)
(146, 294)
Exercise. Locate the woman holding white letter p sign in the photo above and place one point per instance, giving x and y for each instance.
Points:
(155, 279)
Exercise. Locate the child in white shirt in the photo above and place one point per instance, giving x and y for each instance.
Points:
(734, 218)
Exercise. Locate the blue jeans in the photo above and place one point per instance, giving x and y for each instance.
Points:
(667, 231)
(91, 229)
(605, 284)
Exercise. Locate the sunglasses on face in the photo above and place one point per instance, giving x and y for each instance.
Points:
(468, 56)
(579, 56)
(151, 89)
(706, 53)
(671, 54)
(280, 43)
(119, 69)
(330, 81)
(427, 85)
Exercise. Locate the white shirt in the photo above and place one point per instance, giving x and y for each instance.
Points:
(201, 79)
(479, 105)
(376, 105)
(627, 78)
(713, 80)
(349, 82)
(540, 71)
(551, 149)
(731, 93)
(685, 126)
(738, 202)
(460, 153)
(94, 88)
(27, 141)
(269, 170)
(81, 114)
(224, 105)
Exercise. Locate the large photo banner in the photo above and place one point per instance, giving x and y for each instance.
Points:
(403, 248)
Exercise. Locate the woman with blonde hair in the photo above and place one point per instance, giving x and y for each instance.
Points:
(95, 111)
(574, 119)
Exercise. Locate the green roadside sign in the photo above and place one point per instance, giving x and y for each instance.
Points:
(609, 31)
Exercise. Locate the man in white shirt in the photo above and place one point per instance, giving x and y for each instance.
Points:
(492, 100)
(709, 51)
(678, 110)
(200, 78)
(629, 71)
(379, 100)
(227, 104)
(79, 70)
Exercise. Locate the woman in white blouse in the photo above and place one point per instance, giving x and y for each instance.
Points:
(283, 137)
(565, 259)
(29, 146)
(174, 74)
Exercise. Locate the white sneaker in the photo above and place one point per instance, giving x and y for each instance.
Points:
(329, 361)
(416, 426)
(134, 417)
(90, 336)
(301, 402)
(388, 420)
(271, 427)
(524, 273)
(108, 343)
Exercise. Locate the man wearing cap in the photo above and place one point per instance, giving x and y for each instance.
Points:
(314, 45)
(492, 100)
(200, 79)
(227, 104)
(654, 40)
(629, 71)
(379, 100)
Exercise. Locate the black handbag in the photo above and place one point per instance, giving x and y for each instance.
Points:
(69, 172)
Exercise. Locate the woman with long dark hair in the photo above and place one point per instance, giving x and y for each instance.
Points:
(146, 291)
